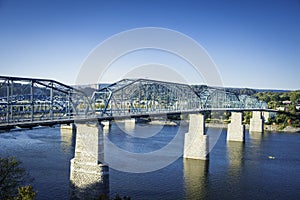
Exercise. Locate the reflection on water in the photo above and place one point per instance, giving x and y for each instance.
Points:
(236, 171)
(68, 138)
(195, 178)
(256, 136)
(129, 125)
(235, 152)
(255, 142)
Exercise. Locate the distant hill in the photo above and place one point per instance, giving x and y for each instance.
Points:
(89, 89)
(239, 91)
(272, 90)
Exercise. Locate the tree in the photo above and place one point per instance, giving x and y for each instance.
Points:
(247, 116)
(294, 96)
(12, 176)
(26, 193)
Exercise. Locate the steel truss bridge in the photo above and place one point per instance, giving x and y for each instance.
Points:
(28, 102)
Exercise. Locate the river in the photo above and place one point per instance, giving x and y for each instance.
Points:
(264, 167)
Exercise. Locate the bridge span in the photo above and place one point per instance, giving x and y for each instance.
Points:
(27, 102)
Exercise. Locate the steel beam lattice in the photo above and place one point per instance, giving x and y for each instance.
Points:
(34, 100)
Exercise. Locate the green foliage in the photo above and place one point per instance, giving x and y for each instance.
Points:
(247, 116)
(281, 119)
(270, 121)
(295, 96)
(227, 115)
(273, 104)
(26, 193)
(290, 117)
(12, 176)
(276, 97)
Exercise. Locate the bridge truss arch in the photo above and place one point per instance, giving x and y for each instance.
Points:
(138, 96)
(25, 100)
(29, 100)
(144, 96)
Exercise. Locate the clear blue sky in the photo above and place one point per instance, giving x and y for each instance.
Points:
(253, 43)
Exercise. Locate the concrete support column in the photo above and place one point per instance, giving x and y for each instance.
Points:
(129, 124)
(106, 124)
(236, 130)
(256, 122)
(68, 127)
(89, 176)
(195, 141)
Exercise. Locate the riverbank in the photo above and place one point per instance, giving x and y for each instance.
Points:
(288, 129)
(268, 128)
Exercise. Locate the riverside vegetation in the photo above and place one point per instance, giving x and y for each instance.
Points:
(287, 103)
(12, 181)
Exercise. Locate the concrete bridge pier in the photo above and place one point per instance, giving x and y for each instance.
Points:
(256, 122)
(236, 130)
(106, 124)
(196, 144)
(68, 127)
(129, 124)
(89, 176)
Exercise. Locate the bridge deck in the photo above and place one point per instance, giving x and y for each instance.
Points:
(29, 102)
(31, 124)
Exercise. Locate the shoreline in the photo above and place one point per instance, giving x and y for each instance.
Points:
(267, 128)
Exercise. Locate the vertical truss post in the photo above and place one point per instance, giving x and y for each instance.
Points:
(189, 101)
(176, 102)
(51, 101)
(146, 95)
(152, 95)
(159, 100)
(123, 107)
(68, 105)
(111, 107)
(32, 100)
(11, 99)
(139, 102)
(8, 100)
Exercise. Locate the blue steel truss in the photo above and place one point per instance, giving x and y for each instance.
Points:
(142, 96)
(26, 99)
(31, 100)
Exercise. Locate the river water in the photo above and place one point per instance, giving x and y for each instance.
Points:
(264, 167)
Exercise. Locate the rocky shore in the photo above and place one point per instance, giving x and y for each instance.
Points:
(288, 129)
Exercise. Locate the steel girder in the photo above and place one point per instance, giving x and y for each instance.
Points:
(29, 99)
(131, 96)
(138, 96)
(218, 98)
